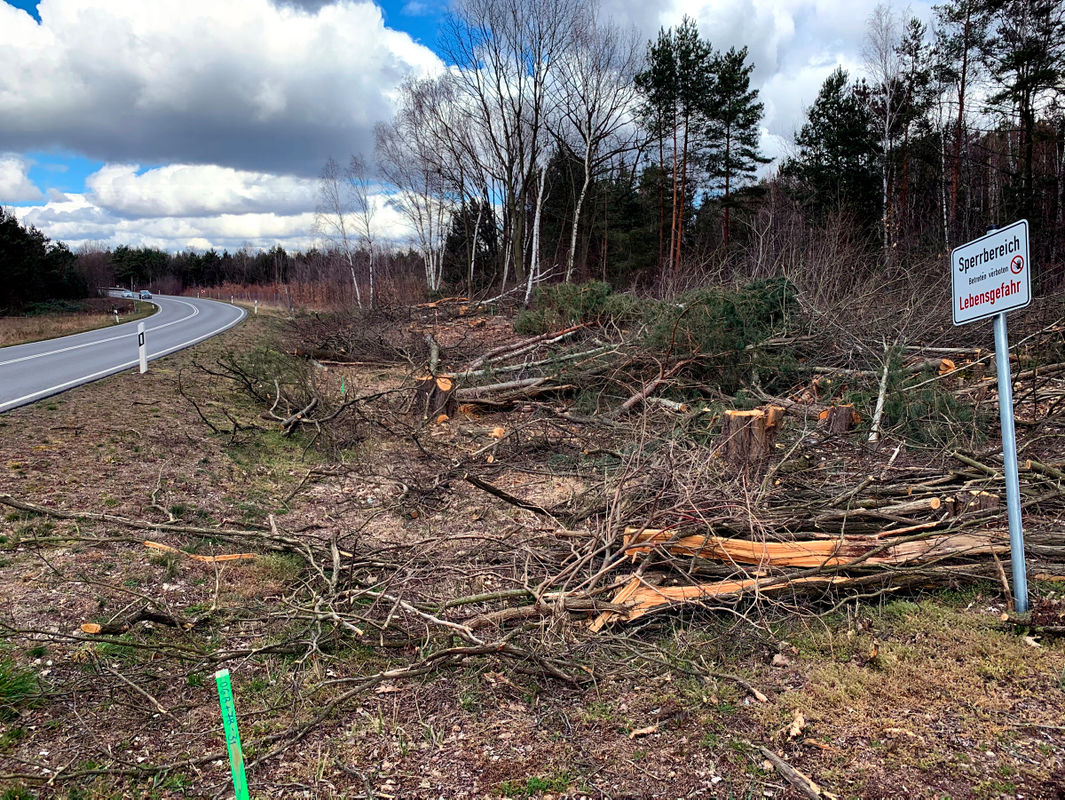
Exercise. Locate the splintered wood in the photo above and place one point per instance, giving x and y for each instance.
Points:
(639, 596)
(845, 551)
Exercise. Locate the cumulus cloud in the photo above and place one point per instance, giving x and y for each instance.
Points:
(245, 83)
(242, 101)
(15, 184)
(80, 219)
(188, 190)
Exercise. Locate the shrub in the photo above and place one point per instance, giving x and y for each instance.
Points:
(716, 327)
(564, 304)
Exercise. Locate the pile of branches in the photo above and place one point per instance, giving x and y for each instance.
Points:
(664, 525)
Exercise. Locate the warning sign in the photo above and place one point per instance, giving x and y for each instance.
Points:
(991, 274)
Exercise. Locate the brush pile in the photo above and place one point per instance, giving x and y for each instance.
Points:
(715, 451)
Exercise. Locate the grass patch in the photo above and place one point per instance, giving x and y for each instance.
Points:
(535, 785)
(17, 686)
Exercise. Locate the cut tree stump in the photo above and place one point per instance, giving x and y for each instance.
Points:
(434, 396)
(839, 419)
(749, 435)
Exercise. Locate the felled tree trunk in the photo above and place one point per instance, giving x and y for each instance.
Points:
(748, 436)
(974, 500)
(434, 396)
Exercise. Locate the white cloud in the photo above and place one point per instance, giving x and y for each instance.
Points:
(186, 190)
(243, 83)
(79, 219)
(236, 105)
(15, 184)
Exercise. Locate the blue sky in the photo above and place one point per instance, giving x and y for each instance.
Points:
(65, 171)
(204, 123)
(60, 170)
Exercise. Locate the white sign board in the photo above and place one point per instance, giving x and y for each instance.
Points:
(991, 274)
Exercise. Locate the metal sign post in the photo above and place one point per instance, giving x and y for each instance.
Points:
(142, 350)
(990, 276)
(1009, 462)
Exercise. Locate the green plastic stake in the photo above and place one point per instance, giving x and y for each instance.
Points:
(343, 388)
(229, 722)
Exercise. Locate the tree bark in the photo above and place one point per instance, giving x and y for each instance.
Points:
(748, 436)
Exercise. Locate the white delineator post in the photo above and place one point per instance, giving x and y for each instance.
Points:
(1000, 282)
(142, 349)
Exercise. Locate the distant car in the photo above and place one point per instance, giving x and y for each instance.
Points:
(145, 294)
(128, 295)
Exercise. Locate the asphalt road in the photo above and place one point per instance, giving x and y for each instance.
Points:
(29, 372)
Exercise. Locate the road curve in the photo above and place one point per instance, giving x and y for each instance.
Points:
(29, 372)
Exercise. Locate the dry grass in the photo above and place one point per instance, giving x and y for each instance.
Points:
(22, 330)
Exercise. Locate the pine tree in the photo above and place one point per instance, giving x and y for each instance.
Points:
(836, 163)
(916, 98)
(733, 127)
(961, 28)
(676, 87)
(1025, 57)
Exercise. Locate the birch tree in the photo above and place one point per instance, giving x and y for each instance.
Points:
(408, 158)
(334, 217)
(597, 93)
(884, 67)
(503, 52)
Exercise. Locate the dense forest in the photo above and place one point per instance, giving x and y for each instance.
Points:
(561, 148)
(34, 267)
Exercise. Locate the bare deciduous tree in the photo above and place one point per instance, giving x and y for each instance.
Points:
(884, 67)
(408, 157)
(334, 216)
(596, 95)
(504, 52)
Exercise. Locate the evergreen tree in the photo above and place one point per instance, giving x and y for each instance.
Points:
(733, 127)
(836, 163)
(960, 30)
(915, 101)
(33, 268)
(676, 87)
(466, 259)
(1025, 56)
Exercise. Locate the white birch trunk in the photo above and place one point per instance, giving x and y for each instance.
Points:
(473, 248)
(577, 215)
(534, 266)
